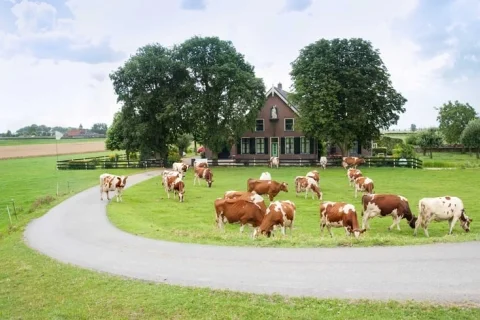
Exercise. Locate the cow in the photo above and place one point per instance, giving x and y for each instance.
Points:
(274, 161)
(176, 185)
(180, 167)
(352, 161)
(200, 163)
(265, 176)
(307, 184)
(323, 162)
(314, 175)
(338, 215)
(441, 209)
(387, 204)
(110, 182)
(240, 211)
(279, 214)
(364, 184)
(203, 173)
(252, 196)
(353, 174)
(270, 187)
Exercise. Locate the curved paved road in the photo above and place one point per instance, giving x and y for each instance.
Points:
(77, 231)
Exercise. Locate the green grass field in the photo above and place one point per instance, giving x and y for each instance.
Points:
(449, 160)
(33, 286)
(149, 213)
(18, 142)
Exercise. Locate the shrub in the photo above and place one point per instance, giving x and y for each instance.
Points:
(173, 156)
(378, 150)
(404, 151)
(412, 139)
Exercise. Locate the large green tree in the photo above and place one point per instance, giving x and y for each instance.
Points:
(428, 140)
(153, 88)
(344, 92)
(100, 128)
(453, 118)
(470, 136)
(227, 95)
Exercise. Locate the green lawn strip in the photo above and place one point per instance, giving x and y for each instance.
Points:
(149, 213)
(450, 160)
(19, 142)
(33, 286)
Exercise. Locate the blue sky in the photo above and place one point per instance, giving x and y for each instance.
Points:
(55, 55)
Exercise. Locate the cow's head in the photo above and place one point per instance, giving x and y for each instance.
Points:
(465, 221)
(412, 222)
(284, 187)
(356, 232)
(121, 182)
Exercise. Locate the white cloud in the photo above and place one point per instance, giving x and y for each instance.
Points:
(270, 37)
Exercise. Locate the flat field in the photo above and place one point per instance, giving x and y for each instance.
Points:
(50, 148)
(33, 286)
(26, 141)
(149, 213)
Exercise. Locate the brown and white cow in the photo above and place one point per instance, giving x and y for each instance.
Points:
(441, 209)
(314, 175)
(353, 174)
(242, 211)
(111, 182)
(279, 214)
(201, 164)
(274, 161)
(306, 184)
(170, 173)
(270, 187)
(338, 215)
(382, 205)
(364, 184)
(252, 196)
(180, 167)
(323, 162)
(203, 173)
(176, 185)
(352, 161)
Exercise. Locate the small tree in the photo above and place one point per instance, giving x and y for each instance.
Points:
(413, 127)
(412, 139)
(453, 118)
(471, 136)
(429, 139)
(183, 141)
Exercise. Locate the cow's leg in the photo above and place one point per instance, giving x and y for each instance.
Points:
(347, 232)
(366, 216)
(396, 221)
(322, 226)
(242, 227)
(329, 228)
(417, 224)
(356, 189)
(283, 229)
(452, 224)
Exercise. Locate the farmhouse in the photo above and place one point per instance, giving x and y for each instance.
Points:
(276, 135)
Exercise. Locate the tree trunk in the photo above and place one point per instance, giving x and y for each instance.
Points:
(343, 148)
(478, 153)
(463, 150)
(194, 146)
(424, 152)
(431, 154)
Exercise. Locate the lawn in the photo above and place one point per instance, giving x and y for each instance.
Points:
(149, 213)
(18, 142)
(33, 286)
(449, 160)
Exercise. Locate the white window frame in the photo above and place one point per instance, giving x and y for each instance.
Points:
(263, 125)
(293, 145)
(262, 139)
(307, 145)
(248, 145)
(285, 124)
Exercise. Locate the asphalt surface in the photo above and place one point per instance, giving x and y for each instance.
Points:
(78, 232)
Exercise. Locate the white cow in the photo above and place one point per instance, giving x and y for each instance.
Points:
(323, 162)
(180, 167)
(265, 176)
(274, 161)
(441, 209)
(110, 182)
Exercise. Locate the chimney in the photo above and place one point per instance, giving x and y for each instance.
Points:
(279, 86)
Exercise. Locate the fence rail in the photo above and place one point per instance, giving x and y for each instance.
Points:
(413, 163)
(106, 162)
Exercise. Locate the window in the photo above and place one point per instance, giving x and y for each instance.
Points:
(245, 145)
(289, 145)
(289, 124)
(259, 125)
(304, 145)
(259, 145)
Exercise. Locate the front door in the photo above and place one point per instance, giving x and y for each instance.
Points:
(274, 147)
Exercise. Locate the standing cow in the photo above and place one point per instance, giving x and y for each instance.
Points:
(110, 182)
(180, 167)
(352, 161)
(203, 173)
(363, 184)
(270, 187)
(265, 176)
(338, 215)
(176, 185)
(323, 162)
(353, 174)
(382, 205)
(242, 211)
(274, 161)
(306, 184)
(441, 209)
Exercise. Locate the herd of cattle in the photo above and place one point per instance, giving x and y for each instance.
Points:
(249, 208)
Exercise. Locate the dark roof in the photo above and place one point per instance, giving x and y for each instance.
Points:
(285, 94)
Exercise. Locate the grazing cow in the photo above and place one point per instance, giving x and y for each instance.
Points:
(241, 211)
(337, 215)
(274, 161)
(307, 184)
(232, 194)
(387, 204)
(180, 167)
(441, 209)
(270, 187)
(314, 175)
(110, 182)
(363, 184)
(352, 161)
(176, 185)
(353, 174)
(323, 162)
(203, 173)
(279, 213)
(265, 176)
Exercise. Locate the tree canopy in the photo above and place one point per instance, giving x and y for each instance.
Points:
(470, 137)
(453, 118)
(343, 91)
(429, 139)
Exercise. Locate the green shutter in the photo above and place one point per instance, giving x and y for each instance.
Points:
(252, 145)
(296, 145)
(265, 141)
(312, 146)
(282, 145)
(239, 146)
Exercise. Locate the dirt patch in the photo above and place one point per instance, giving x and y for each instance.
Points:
(36, 150)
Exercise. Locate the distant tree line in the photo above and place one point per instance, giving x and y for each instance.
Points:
(46, 131)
